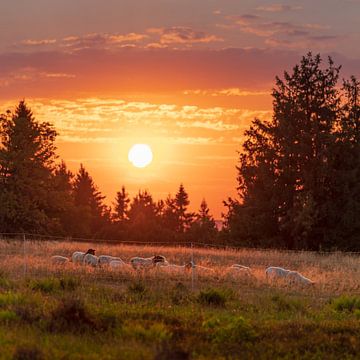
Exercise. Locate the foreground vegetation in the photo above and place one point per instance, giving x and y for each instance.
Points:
(75, 312)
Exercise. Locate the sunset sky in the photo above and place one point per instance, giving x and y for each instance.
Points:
(185, 77)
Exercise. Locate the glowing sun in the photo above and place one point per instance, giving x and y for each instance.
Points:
(140, 155)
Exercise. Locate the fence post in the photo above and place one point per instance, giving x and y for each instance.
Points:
(24, 254)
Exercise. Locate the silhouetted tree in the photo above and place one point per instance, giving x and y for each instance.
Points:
(287, 174)
(203, 229)
(182, 202)
(27, 161)
(121, 206)
(93, 215)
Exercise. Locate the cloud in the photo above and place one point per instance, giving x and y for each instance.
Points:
(226, 92)
(278, 8)
(183, 35)
(32, 42)
(284, 34)
(217, 125)
(101, 40)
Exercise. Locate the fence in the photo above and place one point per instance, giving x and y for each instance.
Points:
(28, 255)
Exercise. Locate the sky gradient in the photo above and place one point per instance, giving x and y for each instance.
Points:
(185, 77)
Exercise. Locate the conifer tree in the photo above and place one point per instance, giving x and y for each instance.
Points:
(27, 162)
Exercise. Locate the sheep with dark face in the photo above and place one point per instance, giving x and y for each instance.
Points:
(78, 256)
(141, 263)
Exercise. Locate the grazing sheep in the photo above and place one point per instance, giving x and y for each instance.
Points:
(299, 278)
(240, 270)
(59, 260)
(171, 267)
(90, 259)
(106, 259)
(139, 262)
(78, 256)
(116, 264)
(201, 268)
(274, 271)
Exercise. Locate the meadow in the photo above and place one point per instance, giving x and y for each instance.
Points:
(80, 312)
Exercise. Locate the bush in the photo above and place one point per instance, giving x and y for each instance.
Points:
(28, 353)
(346, 303)
(212, 297)
(44, 285)
(72, 315)
(179, 294)
(7, 316)
(69, 283)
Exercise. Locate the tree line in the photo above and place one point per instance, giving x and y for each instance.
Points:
(39, 194)
(298, 177)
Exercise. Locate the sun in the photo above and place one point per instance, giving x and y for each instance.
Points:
(140, 155)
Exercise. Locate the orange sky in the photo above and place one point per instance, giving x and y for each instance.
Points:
(184, 77)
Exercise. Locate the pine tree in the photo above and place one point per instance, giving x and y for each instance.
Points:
(289, 171)
(27, 162)
(93, 215)
(184, 218)
(121, 206)
(203, 229)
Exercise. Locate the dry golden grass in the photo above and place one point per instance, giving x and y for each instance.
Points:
(334, 273)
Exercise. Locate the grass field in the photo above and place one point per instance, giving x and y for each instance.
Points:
(77, 312)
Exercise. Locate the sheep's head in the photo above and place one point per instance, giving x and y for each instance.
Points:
(91, 251)
(189, 265)
(158, 258)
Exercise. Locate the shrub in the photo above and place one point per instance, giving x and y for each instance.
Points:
(285, 304)
(69, 283)
(72, 315)
(44, 285)
(346, 303)
(7, 316)
(212, 297)
(28, 353)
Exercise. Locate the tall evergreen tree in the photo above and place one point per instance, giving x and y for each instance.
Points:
(121, 205)
(286, 170)
(182, 202)
(27, 162)
(93, 215)
(203, 229)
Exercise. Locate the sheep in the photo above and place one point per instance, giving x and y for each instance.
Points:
(274, 271)
(192, 265)
(297, 277)
(116, 264)
(139, 262)
(90, 259)
(240, 270)
(106, 259)
(59, 260)
(78, 256)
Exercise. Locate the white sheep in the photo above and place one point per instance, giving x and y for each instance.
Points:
(90, 259)
(171, 267)
(117, 263)
(59, 260)
(274, 271)
(192, 265)
(139, 262)
(78, 256)
(299, 278)
(240, 270)
(106, 259)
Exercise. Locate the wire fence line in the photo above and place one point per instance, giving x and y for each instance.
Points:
(187, 244)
